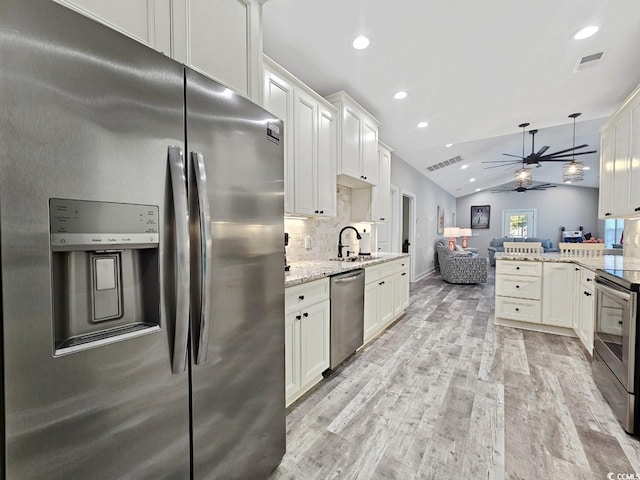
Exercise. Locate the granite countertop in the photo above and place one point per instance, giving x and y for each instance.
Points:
(617, 262)
(302, 272)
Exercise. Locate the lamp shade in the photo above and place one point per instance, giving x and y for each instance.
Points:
(451, 232)
(523, 177)
(573, 171)
(466, 232)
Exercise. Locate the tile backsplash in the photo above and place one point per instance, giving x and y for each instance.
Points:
(323, 232)
(631, 246)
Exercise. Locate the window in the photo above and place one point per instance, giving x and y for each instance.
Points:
(613, 231)
(519, 223)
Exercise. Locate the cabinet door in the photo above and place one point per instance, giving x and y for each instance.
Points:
(370, 161)
(221, 40)
(397, 294)
(305, 144)
(292, 355)
(587, 318)
(326, 163)
(622, 132)
(351, 143)
(385, 301)
(314, 345)
(404, 289)
(148, 21)
(634, 200)
(577, 301)
(371, 324)
(557, 294)
(380, 194)
(278, 99)
(605, 205)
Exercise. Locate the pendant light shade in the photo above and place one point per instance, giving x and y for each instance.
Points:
(573, 171)
(523, 177)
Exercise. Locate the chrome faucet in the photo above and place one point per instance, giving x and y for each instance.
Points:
(340, 246)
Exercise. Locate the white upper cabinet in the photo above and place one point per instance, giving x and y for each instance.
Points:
(220, 38)
(620, 161)
(357, 164)
(278, 99)
(147, 21)
(310, 136)
(372, 204)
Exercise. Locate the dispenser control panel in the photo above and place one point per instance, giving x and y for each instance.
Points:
(87, 224)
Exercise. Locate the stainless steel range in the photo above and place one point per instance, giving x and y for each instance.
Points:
(615, 358)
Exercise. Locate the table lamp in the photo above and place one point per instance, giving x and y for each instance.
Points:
(452, 233)
(464, 233)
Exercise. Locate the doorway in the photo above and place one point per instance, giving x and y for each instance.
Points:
(408, 229)
(387, 239)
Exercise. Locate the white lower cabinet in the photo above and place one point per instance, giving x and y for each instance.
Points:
(557, 295)
(307, 336)
(386, 295)
(565, 304)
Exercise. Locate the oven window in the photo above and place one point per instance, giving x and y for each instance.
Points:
(609, 322)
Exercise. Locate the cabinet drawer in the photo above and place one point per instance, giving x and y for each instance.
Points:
(514, 267)
(301, 296)
(402, 264)
(371, 274)
(518, 309)
(587, 278)
(389, 268)
(519, 286)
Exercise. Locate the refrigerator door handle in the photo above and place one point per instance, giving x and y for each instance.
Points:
(181, 211)
(206, 257)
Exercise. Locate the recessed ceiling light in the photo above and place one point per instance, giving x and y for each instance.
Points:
(400, 95)
(360, 43)
(423, 125)
(478, 189)
(449, 145)
(472, 180)
(586, 32)
(567, 181)
(587, 168)
(464, 166)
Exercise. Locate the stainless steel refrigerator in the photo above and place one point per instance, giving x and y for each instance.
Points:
(142, 289)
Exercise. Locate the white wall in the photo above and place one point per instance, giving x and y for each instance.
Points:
(561, 206)
(428, 197)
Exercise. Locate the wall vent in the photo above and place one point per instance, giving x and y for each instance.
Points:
(446, 163)
(587, 61)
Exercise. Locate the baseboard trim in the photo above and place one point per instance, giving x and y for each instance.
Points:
(425, 274)
(535, 327)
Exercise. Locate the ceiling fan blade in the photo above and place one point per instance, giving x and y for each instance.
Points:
(515, 156)
(501, 161)
(507, 165)
(565, 156)
(567, 150)
(541, 151)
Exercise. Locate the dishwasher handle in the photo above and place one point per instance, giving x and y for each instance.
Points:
(349, 279)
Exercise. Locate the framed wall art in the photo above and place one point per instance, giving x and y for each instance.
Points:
(480, 216)
(440, 220)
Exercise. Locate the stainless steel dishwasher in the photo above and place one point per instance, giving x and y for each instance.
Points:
(347, 315)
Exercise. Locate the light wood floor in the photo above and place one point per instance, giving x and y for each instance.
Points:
(446, 394)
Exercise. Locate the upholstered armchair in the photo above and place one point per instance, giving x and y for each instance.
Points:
(457, 267)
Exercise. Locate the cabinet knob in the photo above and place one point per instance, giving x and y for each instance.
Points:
(587, 294)
(403, 274)
(589, 279)
(637, 209)
(381, 283)
(365, 178)
(608, 214)
(517, 286)
(517, 268)
(301, 297)
(298, 317)
(620, 322)
(517, 309)
(321, 211)
(305, 314)
(382, 218)
(316, 211)
(576, 269)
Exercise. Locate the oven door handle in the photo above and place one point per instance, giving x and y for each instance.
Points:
(612, 291)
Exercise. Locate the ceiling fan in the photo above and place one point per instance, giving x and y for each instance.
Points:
(534, 158)
(522, 189)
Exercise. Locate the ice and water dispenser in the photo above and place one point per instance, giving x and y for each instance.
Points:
(106, 283)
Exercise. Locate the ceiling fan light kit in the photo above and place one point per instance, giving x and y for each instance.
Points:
(573, 171)
(523, 177)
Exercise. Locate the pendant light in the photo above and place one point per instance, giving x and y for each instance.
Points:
(573, 171)
(523, 177)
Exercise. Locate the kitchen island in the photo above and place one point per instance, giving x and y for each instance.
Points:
(550, 292)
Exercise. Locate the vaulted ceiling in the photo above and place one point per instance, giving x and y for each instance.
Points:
(473, 70)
